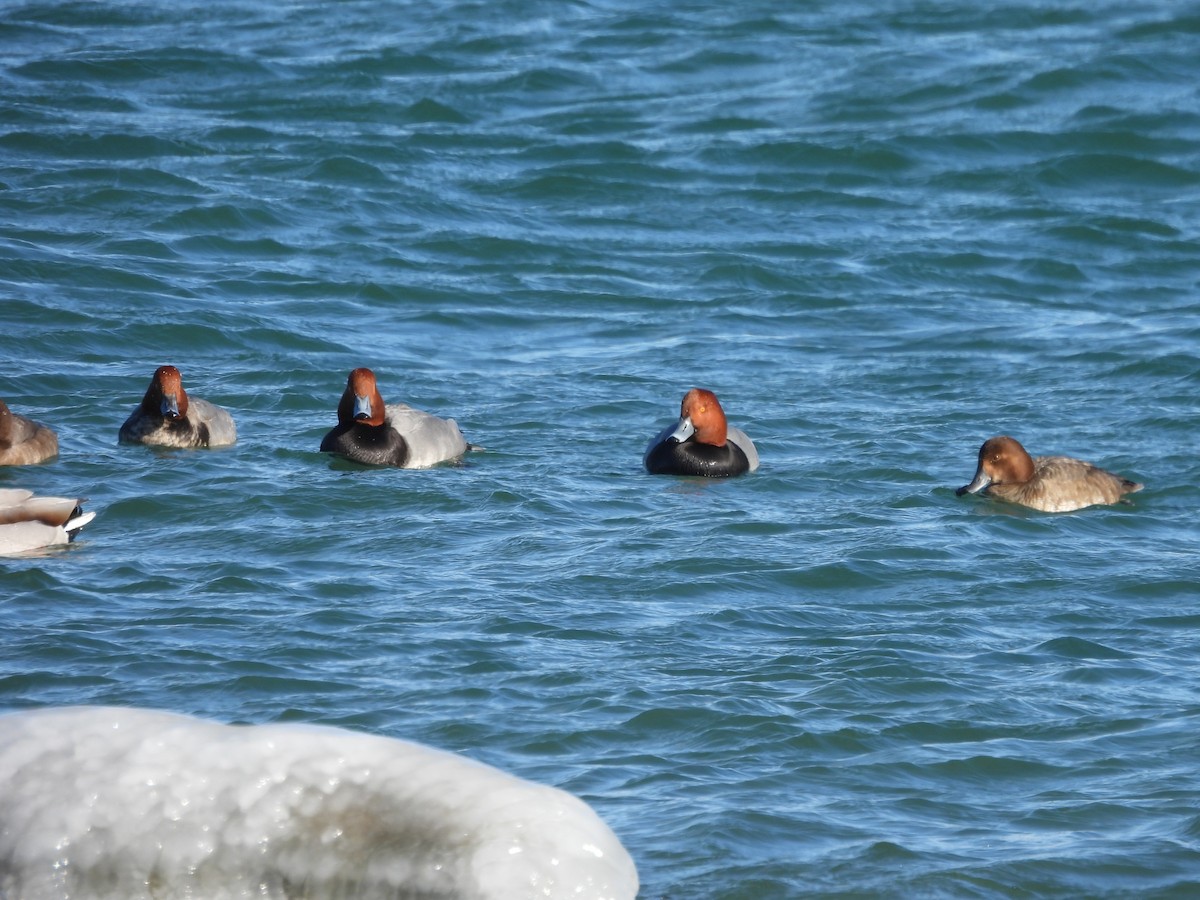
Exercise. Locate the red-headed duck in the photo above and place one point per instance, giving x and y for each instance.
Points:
(24, 441)
(32, 523)
(1050, 483)
(393, 435)
(701, 442)
(168, 417)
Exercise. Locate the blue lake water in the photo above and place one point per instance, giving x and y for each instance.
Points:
(880, 232)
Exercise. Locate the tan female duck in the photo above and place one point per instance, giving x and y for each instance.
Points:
(24, 441)
(1049, 483)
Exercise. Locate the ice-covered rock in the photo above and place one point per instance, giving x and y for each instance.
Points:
(122, 803)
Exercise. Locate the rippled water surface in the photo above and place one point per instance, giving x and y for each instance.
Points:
(881, 232)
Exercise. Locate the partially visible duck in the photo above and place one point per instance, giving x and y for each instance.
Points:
(32, 523)
(1049, 483)
(168, 417)
(24, 441)
(393, 435)
(701, 442)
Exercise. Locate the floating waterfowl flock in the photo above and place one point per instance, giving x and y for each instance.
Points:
(700, 443)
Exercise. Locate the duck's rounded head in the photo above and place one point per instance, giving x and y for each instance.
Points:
(361, 401)
(166, 397)
(701, 412)
(1002, 460)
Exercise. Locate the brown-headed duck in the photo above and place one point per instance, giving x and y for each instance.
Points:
(701, 442)
(393, 435)
(1049, 483)
(168, 417)
(33, 523)
(24, 441)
